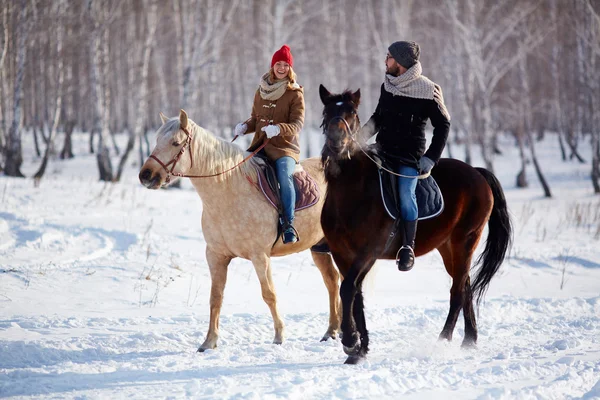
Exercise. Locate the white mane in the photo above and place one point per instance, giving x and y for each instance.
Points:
(211, 154)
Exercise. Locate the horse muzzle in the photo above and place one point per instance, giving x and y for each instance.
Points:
(149, 179)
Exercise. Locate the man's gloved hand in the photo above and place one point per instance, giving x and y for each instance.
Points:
(271, 130)
(426, 164)
(240, 129)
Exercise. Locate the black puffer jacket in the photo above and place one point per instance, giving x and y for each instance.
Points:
(400, 122)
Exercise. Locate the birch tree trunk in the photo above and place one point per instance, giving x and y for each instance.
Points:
(5, 10)
(136, 130)
(100, 114)
(526, 117)
(60, 8)
(14, 156)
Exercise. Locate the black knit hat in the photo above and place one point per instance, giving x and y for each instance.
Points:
(405, 53)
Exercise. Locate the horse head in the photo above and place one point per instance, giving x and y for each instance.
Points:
(340, 125)
(172, 154)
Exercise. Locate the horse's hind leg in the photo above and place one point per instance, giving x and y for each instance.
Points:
(454, 265)
(262, 266)
(457, 259)
(469, 314)
(218, 274)
(331, 277)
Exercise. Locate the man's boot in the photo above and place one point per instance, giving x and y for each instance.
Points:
(405, 258)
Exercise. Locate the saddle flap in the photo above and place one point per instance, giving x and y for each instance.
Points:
(307, 190)
(430, 201)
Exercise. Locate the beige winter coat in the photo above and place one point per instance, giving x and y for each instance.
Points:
(287, 113)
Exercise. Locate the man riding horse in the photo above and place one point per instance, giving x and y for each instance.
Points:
(407, 100)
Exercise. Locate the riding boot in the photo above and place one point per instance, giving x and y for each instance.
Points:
(290, 234)
(405, 258)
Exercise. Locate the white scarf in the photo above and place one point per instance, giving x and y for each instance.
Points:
(413, 84)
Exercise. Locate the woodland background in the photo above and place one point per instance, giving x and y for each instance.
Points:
(525, 68)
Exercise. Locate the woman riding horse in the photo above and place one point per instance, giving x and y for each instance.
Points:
(278, 115)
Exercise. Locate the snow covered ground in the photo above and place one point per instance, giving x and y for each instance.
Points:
(104, 294)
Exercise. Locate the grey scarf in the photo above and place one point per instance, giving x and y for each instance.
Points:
(272, 91)
(413, 84)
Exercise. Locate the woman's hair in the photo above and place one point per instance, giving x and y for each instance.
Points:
(291, 76)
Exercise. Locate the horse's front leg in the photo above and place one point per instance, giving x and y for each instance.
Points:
(218, 274)
(350, 336)
(262, 266)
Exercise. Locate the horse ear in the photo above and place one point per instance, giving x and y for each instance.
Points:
(183, 119)
(163, 118)
(356, 97)
(324, 93)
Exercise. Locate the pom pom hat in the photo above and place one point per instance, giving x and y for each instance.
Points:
(283, 54)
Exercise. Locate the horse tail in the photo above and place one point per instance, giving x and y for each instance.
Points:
(499, 237)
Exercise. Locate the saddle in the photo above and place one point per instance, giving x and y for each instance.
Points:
(430, 201)
(307, 190)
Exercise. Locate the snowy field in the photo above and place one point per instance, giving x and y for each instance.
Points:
(104, 294)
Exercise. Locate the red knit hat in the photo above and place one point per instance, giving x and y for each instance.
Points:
(283, 54)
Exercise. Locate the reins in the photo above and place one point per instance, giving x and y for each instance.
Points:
(379, 166)
(188, 143)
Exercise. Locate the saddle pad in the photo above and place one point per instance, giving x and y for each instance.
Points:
(430, 201)
(307, 190)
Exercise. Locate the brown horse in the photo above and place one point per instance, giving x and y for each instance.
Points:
(356, 225)
(237, 220)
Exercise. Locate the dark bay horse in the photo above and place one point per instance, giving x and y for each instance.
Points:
(357, 226)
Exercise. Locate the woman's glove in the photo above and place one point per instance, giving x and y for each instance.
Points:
(240, 129)
(271, 130)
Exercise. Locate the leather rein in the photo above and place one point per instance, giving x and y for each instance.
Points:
(188, 143)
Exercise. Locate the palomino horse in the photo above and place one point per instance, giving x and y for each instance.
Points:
(237, 221)
(357, 226)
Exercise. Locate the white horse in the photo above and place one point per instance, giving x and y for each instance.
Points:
(237, 220)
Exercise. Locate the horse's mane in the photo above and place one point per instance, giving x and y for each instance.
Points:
(213, 153)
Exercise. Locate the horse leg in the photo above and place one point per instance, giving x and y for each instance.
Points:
(331, 277)
(354, 331)
(218, 274)
(469, 314)
(262, 266)
(449, 255)
(361, 326)
(457, 259)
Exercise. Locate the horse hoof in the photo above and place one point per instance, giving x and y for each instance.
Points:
(328, 336)
(468, 345)
(352, 350)
(354, 359)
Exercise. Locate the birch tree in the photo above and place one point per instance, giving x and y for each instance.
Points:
(485, 28)
(60, 7)
(150, 7)
(14, 156)
(586, 23)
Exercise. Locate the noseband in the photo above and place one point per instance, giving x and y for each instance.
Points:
(175, 160)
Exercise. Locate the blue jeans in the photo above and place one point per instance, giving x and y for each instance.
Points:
(406, 190)
(284, 167)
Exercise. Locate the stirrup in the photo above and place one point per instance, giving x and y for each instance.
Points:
(290, 234)
(407, 264)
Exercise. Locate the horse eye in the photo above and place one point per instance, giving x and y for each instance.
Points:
(175, 144)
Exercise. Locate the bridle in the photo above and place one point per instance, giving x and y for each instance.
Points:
(353, 134)
(188, 143)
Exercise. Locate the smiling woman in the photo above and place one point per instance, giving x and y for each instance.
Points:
(277, 118)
